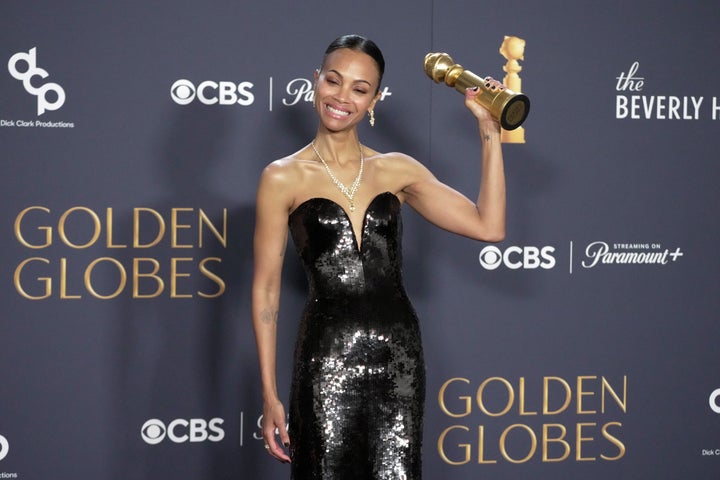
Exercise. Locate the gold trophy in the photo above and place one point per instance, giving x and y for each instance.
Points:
(513, 49)
(509, 107)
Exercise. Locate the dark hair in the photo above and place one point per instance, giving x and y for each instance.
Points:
(359, 44)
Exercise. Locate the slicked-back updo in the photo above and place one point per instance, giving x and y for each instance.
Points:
(358, 43)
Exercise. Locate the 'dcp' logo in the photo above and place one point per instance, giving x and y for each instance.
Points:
(44, 102)
(4, 447)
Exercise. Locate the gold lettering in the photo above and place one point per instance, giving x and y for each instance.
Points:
(63, 282)
(547, 440)
(466, 399)
(46, 281)
(614, 440)
(579, 441)
(204, 220)
(510, 401)
(518, 443)
(88, 278)
(46, 229)
(96, 224)
(546, 395)
(463, 446)
(503, 445)
(581, 393)
(109, 228)
(521, 398)
(606, 386)
(481, 447)
(137, 275)
(174, 276)
(136, 228)
(212, 276)
(175, 226)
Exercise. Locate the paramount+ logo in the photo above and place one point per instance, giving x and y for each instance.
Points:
(516, 258)
(194, 430)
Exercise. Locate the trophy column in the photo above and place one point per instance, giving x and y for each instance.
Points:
(513, 49)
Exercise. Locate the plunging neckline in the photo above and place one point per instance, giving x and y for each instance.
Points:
(358, 242)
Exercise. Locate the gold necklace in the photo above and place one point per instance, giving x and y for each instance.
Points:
(348, 192)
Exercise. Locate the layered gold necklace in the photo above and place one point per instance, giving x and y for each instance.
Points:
(348, 192)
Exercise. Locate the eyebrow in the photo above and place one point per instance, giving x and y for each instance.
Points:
(356, 81)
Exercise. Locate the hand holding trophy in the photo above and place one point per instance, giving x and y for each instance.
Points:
(509, 107)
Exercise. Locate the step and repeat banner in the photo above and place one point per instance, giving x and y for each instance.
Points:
(585, 345)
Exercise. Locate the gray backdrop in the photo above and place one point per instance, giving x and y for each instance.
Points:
(583, 346)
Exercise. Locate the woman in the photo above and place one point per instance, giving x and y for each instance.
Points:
(358, 380)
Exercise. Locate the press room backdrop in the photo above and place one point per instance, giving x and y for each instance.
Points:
(585, 345)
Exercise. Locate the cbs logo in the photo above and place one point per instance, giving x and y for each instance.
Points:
(491, 257)
(4, 447)
(715, 401)
(183, 92)
(180, 430)
(41, 92)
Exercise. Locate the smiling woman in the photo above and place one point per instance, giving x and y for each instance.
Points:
(358, 67)
(356, 406)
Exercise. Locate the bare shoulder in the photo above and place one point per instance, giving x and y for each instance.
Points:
(395, 161)
(281, 180)
(399, 170)
(287, 171)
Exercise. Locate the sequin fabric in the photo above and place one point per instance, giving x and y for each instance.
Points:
(358, 386)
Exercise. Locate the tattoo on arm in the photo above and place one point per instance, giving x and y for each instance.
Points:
(269, 316)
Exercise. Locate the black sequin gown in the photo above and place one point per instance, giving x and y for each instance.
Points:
(358, 387)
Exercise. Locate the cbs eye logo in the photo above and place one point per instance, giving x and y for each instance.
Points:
(714, 401)
(4, 447)
(528, 258)
(183, 92)
(180, 430)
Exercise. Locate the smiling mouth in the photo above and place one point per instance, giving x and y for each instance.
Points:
(335, 111)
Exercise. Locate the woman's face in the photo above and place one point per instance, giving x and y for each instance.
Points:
(345, 88)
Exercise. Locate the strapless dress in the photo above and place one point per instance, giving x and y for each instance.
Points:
(358, 386)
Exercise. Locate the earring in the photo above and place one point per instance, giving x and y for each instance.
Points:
(372, 118)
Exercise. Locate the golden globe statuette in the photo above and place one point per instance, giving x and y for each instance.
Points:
(509, 107)
(513, 49)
